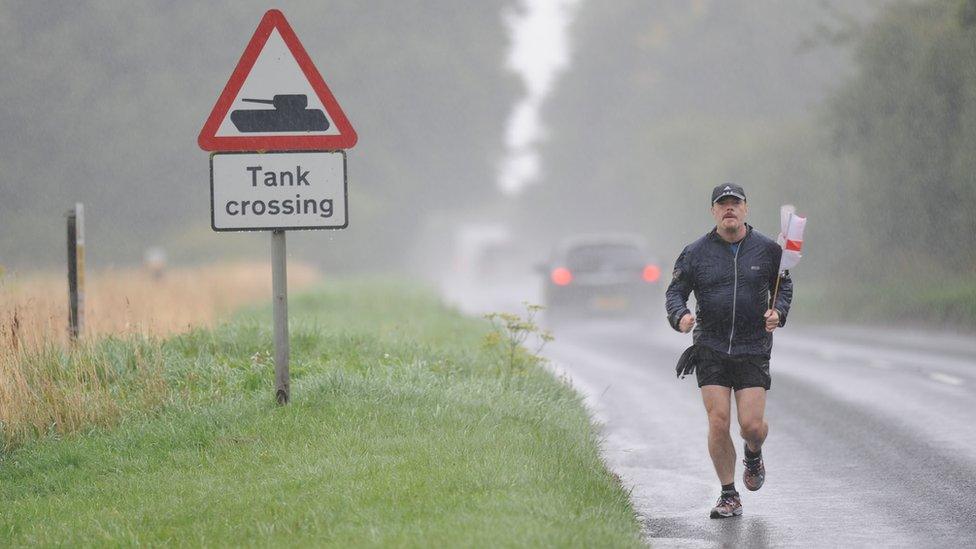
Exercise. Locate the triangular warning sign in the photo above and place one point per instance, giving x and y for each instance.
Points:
(276, 100)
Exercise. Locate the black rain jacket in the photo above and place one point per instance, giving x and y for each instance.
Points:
(732, 292)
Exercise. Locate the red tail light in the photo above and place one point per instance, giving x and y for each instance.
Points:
(561, 276)
(652, 273)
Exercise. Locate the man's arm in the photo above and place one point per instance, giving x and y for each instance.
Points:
(676, 296)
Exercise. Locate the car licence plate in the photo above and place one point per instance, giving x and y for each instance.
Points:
(609, 303)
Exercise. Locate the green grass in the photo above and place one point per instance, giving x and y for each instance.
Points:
(403, 431)
(917, 301)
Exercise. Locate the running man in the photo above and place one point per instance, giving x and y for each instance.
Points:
(732, 270)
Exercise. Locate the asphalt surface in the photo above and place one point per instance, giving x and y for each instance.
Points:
(872, 434)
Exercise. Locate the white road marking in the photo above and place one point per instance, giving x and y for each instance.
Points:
(946, 378)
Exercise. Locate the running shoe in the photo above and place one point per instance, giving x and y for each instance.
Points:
(754, 474)
(728, 505)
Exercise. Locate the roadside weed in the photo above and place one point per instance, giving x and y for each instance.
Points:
(509, 334)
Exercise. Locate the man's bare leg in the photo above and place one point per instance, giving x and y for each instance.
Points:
(750, 405)
(718, 405)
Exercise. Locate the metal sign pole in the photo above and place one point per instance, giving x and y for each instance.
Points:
(279, 283)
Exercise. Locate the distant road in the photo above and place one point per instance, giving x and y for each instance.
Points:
(872, 432)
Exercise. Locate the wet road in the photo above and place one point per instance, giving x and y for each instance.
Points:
(872, 433)
(871, 444)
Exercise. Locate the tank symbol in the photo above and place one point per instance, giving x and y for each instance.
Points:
(288, 115)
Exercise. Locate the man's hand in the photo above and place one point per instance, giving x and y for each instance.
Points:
(772, 320)
(686, 323)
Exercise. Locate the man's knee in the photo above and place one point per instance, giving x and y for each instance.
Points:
(718, 420)
(752, 429)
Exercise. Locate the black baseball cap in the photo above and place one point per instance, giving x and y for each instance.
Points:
(727, 189)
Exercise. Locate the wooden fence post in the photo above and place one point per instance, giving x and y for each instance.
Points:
(76, 271)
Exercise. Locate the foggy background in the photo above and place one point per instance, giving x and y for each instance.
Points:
(862, 114)
(102, 103)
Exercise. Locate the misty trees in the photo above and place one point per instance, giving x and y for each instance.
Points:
(870, 132)
(100, 103)
(908, 121)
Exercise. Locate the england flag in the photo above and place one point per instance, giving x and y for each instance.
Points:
(791, 237)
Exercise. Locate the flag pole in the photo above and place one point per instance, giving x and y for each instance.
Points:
(775, 291)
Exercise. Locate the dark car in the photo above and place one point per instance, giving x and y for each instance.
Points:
(601, 274)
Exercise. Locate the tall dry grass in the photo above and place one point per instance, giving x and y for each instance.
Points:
(34, 306)
(50, 386)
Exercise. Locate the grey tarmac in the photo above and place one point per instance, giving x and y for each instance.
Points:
(868, 445)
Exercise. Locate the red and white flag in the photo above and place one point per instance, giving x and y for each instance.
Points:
(791, 237)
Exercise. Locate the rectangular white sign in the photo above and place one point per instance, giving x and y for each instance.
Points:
(278, 190)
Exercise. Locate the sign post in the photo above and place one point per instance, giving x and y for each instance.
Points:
(279, 284)
(277, 137)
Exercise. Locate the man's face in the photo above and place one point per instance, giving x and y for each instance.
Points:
(730, 213)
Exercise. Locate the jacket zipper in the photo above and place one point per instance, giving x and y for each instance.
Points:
(735, 288)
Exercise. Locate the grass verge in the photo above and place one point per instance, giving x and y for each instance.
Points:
(938, 302)
(404, 430)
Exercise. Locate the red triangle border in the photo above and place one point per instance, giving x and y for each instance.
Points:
(208, 140)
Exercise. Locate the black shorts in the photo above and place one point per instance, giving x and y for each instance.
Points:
(735, 371)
